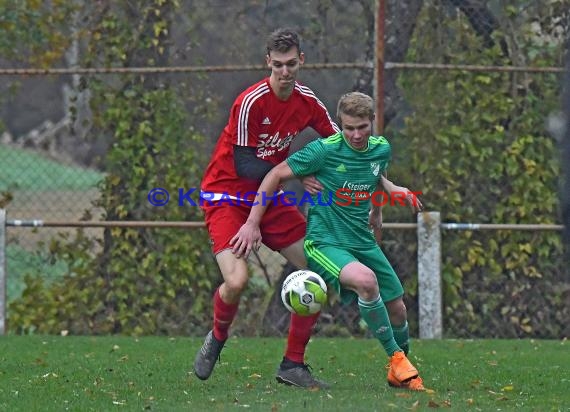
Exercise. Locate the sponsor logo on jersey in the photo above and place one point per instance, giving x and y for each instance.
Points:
(269, 145)
(341, 168)
(375, 168)
(355, 186)
(266, 121)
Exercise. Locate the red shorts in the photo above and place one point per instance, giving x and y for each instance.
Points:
(281, 225)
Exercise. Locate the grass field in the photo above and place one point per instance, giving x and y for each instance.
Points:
(55, 373)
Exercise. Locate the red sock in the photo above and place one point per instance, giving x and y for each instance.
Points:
(224, 315)
(299, 335)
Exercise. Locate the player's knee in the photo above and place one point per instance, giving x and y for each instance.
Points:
(368, 286)
(235, 285)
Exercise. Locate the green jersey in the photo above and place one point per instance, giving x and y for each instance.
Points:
(338, 216)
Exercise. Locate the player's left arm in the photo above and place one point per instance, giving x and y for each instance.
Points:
(411, 198)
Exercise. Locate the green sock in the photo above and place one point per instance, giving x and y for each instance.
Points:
(376, 317)
(402, 336)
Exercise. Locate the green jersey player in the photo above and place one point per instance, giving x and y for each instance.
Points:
(339, 244)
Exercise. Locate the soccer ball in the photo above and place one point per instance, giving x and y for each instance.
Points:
(304, 292)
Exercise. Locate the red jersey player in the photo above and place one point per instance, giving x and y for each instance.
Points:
(263, 122)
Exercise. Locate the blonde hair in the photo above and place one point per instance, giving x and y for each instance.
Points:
(355, 104)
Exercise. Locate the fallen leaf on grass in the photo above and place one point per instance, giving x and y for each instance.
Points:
(508, 388)
(403, 395)
(254, 375)
(429, 391)
(432, 404)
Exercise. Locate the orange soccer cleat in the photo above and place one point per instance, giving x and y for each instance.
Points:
(402, 374)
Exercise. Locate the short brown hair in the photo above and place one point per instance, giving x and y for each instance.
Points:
(283, 40)
(355, 104)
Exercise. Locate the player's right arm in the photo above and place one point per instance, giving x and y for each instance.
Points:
(245, 120)
(248, 236)
(248, 165)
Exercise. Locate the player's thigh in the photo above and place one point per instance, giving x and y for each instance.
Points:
(223, 221)
(390, 285)
(282, 225)
(328, 262)
(295, 254)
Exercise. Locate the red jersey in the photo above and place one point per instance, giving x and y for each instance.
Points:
(259, 119)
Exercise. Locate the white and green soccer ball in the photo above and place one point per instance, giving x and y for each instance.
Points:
(304, 292)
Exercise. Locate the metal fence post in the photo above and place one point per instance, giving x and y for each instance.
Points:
(429, 275)
(2, 271)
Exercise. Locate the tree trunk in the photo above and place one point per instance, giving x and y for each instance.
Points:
(401, 20)
(565, 160)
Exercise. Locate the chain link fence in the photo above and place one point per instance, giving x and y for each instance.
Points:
(464, 127)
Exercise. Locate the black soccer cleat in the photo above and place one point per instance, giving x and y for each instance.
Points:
(298, 374)
(207, 356)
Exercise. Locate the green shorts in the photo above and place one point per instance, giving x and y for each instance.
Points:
(328, 261)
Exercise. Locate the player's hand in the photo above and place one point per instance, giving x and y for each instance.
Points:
(413, 201)
(312, 185)
(247, 238)
(375, 223)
